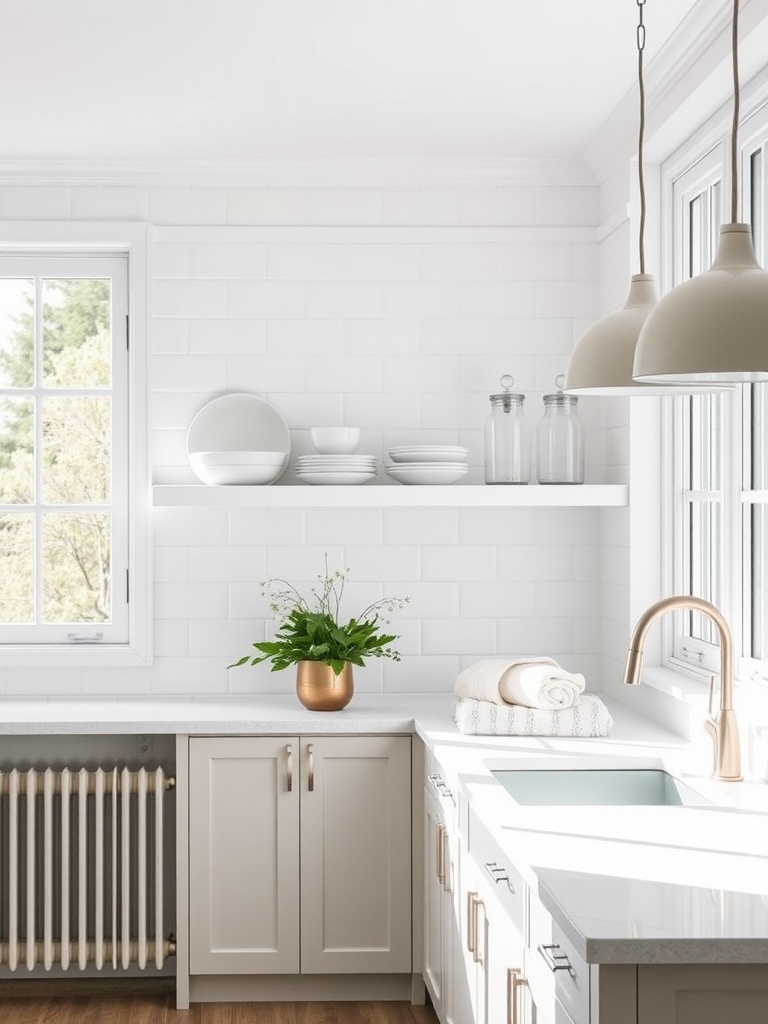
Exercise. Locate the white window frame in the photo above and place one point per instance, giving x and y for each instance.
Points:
(131, 241)
(697, 162)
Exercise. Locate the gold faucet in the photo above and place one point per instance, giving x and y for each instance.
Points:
(723, 727)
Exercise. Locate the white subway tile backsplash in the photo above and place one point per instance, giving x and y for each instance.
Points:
(468, 562)
(419, 206)
(459, 636)
(189, 298)
(298, 337)
(168, 336)
(343, 526)
(305, 261)
(227, 337)
(502, 206)
(535, 261)
(344, 306)
(343, 206)
(109, 202)
(266, 298)
(190, 600)
(380, 337)
(344, 373)
(344, 299)
(228, 261)
(174, 205)
(265, 206)
(539, 636)
(381, 262)
(19, 202)
(420, 526)
(227, 563)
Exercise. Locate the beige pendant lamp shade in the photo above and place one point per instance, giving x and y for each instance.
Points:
(714, 327)
(603, 358)
(602, 361)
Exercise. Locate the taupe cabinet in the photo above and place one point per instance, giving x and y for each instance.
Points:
(300, 855)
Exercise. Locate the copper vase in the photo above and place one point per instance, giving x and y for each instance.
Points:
(320, 689)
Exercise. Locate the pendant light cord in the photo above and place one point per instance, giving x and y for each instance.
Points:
(641, 138)
(735, 124)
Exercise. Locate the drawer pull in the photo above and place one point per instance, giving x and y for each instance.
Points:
(289, 753)
(515, 980)
(440, 853)
(440, 786)
(311, 776)
(555, 961)
(499, 874)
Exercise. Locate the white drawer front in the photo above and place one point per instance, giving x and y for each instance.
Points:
(503, 878)
(553, 968)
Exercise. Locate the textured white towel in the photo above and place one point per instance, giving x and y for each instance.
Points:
(532, 682)
(590, 717)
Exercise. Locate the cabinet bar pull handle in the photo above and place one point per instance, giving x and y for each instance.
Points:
(311, 778)
(289, 752)
(476, 955)
(471, 923)
(515, 980)
(499, 874)
(440, 850)
(446, 861)
(555, 961)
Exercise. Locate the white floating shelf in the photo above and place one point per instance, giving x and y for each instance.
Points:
(395, 496)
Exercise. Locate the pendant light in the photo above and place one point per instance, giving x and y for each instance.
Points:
(713, 327)
(602, 360)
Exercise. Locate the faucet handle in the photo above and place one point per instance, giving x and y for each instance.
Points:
(710, 708)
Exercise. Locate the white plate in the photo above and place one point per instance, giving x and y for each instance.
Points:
(240, 458)
(339, 477)
(336, 464)
(427, 474)
(241, 423)
(428, 453)
(223, 475)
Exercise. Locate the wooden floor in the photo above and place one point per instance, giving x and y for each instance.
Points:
(159, 1009)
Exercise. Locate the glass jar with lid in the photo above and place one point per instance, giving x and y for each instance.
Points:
(507, 442)
(560, 440)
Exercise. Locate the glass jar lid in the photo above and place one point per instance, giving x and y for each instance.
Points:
(507, 396)
(558, 399)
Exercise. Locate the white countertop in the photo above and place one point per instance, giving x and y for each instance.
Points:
(627, 884)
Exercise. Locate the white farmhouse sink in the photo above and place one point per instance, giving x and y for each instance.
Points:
(646, 787)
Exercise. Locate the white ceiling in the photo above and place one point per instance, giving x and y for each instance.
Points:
(255, 79)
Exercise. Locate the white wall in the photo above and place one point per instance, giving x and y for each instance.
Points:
(392, 309)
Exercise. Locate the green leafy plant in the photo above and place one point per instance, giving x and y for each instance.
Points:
(311, 630)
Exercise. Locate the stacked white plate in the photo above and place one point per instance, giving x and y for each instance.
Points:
(427, 463)
(336, 469)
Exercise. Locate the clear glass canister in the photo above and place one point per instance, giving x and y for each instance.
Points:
(507, 443)
(560, 441)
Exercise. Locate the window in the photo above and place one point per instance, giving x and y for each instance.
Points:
(718, 452)
(64, 449)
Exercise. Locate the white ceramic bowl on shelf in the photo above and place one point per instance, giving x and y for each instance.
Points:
(428, 453)
(427, 472)
(335, 440)
(237, 467)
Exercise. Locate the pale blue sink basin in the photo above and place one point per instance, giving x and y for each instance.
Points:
(646, 787)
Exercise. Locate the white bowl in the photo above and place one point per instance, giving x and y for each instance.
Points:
(233, 474)
(241, 458)
(427, 472)
(335, 440)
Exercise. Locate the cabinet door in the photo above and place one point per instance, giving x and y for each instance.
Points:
(244, 855)
(702, 994)
(356, 854)
(435, 889)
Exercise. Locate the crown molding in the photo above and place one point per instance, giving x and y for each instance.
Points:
(697, 55)
(275, 173)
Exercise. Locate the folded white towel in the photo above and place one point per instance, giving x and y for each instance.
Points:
(590, 717)
(531, 682)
